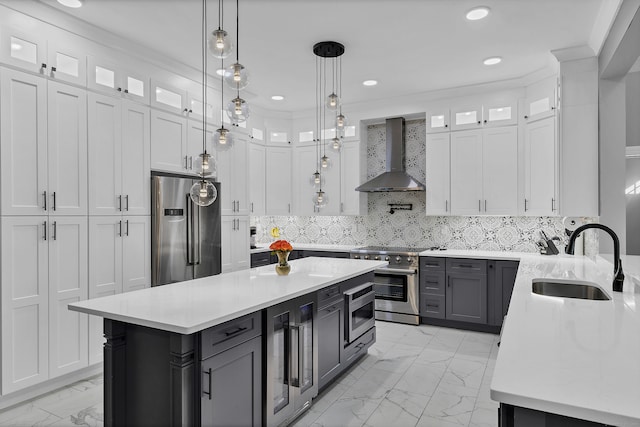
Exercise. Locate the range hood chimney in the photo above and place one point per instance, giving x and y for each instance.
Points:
(395, 178)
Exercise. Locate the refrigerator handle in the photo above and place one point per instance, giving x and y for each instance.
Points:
(189, 231)
(197, 241)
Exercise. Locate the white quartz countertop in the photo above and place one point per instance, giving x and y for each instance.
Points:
(572, 357)
(263, 247)
(460, 253)
(194, 305)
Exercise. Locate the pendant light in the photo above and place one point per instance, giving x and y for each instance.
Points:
(324, 50)
(203, 192)
(220, 44)
(223, 138)
(237, 77)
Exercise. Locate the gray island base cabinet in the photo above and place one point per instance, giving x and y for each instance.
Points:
(263, 368)
(515, 416)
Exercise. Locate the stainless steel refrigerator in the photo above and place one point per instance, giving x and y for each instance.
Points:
(185, 237)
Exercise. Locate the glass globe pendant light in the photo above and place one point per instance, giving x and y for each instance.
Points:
(203, 192)
(223, 139)
(316, 180)
(238, 110)
(341, 121)
(333, 102)
(236, 76)
(336, 144)
(320, 199)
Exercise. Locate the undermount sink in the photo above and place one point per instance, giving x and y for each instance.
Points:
(568, 289)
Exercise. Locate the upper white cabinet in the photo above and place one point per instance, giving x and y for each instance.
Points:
(23, 48)
(119, 156)
(541, 166)
(499, 112)
(305, 163)
(233, 176)
(484, 173)
(278, 181)
(67, 149)
(257, 175)
(169, 98)
(541, 100)
(44, 155)
(437, 174)
(66, 58)
(353, 172)
(113, 79)
(23, 142)
(466, 116)
(169, 147)
(438, 120)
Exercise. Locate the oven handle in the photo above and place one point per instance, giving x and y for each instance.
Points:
(404, 272)
(362, 301)
(357, 289)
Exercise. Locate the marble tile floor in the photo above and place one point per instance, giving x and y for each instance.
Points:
(414, 376)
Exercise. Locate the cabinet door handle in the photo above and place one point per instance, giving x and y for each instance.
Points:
(525, 205)
(191, 162)
(126, 91)
(299, 357)
(120, 202)
(119, 89)
(479, 205)
(485, 205)
(207, 393)
(44, 224)
(43, 66)
(120, 228)
(479, 122)
(341, 207)
(185, 162)
(448, 281)
(235, 331)
(289, 207)
(54, 231)
(553, 204)
(54, 201)
(446, 206)
(126, 199)
(45, 200)
(127, 224)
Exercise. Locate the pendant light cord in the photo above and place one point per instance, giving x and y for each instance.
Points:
(204, 81)
(238, 31)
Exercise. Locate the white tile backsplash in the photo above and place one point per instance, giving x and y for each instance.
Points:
(411, 228)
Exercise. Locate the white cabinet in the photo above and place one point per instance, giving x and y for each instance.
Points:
(353, 172)
(169, 147)
(541, 166)
(540, 101)
(278, 181)
(119, 146)
(68, 274)
(114, 80)
(44, 146)
(44, 268)
(466, 173)
(466, 116)
(500, 171)
(499, 112)
(66, 58)
(484, 173)
(119, 261)
(67, 149)
(438, 120)
(168, 97)
(25, 302)
(235, 243)
(257, 178)
(437, 174)
(22, 48)
(23, 143)
(234, 178)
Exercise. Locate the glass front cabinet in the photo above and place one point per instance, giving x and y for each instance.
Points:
(292, 358)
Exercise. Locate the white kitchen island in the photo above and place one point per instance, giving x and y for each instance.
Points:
(162, 342)
(571, 357)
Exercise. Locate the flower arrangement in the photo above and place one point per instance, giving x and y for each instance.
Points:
(281, 246)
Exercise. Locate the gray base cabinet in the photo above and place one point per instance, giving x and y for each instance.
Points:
(232, 386)
(259, 259)
(515, 416)
(466, 293)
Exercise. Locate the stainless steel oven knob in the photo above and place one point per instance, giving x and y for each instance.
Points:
(398, 259)
(356, 257)
(409, 260)
(386, 258)
(366, 257)
(376, 258)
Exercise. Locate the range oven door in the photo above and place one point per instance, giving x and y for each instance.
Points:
(360, 311)
(396, 290)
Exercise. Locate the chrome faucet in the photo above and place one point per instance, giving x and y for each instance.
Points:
(618, 278)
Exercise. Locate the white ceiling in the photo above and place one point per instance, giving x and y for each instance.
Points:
(409, 46)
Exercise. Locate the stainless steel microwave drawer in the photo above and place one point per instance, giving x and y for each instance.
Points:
(229, 334)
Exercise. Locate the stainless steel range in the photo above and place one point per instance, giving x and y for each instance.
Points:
(396, 286)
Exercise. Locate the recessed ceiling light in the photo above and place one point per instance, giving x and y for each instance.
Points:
(71, 3)
(477, 13)
(370, 82)
(492, 61)
(220, 71)
(277, 97)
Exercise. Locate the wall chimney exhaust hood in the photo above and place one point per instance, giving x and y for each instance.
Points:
(395, 178)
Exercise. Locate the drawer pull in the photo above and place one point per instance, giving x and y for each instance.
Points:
(465, 266)
(433, 305)
(236, 331)
(331, 309)
(433, 282)
(431, 265)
